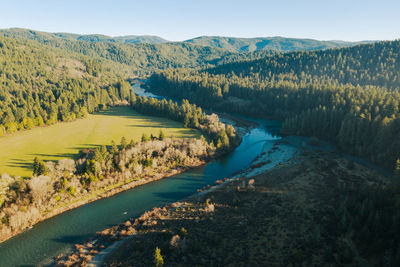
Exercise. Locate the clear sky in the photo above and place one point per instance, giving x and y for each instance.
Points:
(176, 20)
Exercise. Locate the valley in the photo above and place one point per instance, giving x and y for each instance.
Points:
(174, 133)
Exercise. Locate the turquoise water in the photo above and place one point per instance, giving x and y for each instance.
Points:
(58, 234)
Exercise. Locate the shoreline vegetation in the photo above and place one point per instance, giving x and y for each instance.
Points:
(295, 186)
(59, 186)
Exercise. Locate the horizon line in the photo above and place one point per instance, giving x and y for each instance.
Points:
(199, 36)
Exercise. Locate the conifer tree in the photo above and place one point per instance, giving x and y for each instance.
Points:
(161, 136)
(124, 144)
(145, 138)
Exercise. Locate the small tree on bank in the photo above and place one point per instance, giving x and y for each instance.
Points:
(145, 138)
(39, 167)
(158, 258)
(397, 169)
(124, 143)
(161, 136)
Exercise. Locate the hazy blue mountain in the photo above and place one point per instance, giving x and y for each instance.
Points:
(282, 44)
(139, 58)
(37, 35)
(232, 44)
(133, 39)
(144, 54)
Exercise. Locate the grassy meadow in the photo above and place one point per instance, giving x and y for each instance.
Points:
(65, 140)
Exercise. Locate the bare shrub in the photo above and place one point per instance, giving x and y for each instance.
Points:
(175, 240)
(22, 219)
(197, 148)
(39, 187)
(5, 182)
(66, 165)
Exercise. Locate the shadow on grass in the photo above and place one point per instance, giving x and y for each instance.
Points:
(128, 112)
(125, 112)
(68, 155)
(153, 125)
(20, 163)
(154, 121)
(60, 156)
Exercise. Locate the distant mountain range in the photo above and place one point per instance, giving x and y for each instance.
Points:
(231, 44)
(35, 35)
(282, 44)
(128, 39)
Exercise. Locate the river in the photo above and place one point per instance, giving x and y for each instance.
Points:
(57, 235)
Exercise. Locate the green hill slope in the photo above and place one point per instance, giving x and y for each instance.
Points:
(41, 85)
(31, 34)
(145, 54)
(281, 44)
(142, 58)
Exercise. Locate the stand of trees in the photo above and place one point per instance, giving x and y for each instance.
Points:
(370, 217)
(223, 136)
(349, 96)
(40, 87)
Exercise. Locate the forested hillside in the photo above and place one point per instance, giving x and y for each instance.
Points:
(41, 86)
(372, 64)
(281, 44)
(141, 59)
(144, 54)
(128, 39)
(349, 95)
(133, 39)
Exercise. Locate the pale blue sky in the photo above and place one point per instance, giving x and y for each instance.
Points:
(177, 20)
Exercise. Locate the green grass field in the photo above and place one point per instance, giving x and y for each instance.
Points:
(64, 140)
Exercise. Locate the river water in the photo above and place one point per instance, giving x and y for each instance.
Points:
(58, 234)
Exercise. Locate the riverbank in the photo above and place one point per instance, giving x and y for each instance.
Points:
(112, 189)
(276, 156)
(58, 234)
(103, 193)
(101, 172)
(265, 215)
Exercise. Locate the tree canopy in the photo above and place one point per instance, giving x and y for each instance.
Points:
(349, 95)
